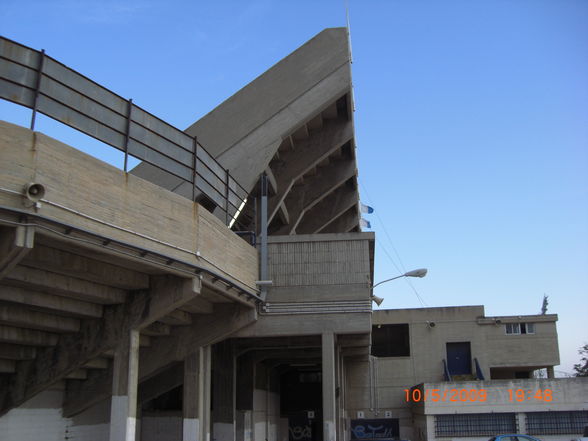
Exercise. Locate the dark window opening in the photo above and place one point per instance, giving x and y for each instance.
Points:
(390, 340)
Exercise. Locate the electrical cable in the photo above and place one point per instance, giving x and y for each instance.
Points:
(403, 270)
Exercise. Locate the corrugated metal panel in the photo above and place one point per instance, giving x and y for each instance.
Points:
(319, 263)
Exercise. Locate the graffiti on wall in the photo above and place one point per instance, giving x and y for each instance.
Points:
(377, 429)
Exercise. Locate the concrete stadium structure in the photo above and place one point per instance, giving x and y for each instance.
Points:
(221, 289)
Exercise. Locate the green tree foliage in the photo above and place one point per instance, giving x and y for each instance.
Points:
(582, 367)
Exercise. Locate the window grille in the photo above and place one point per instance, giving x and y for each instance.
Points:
(475, 424)
(556, 423)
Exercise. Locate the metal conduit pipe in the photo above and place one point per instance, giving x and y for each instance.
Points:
(139, 257)
(117, 227)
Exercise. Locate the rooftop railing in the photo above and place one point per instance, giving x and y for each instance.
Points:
(33, 79)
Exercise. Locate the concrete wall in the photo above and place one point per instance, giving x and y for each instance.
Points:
(161, 426)
(41, 418)
(306, 268)
(87, 193)
(320, 280)
(566, 394)
(38, 417)
(489, 342)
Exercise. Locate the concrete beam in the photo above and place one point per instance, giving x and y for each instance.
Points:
(161, 383)
(168, 293)
(293, 165)
(286, 325)
(73, 265)
(156, 329)
(303, 198)
(177, 318)
(78, 374)
(22, 336)
(72, 351)
(356, 353)
(198, 306)
(97, 363)
(329, 209)
(47, 301)
(354, 340)
(16, 352)
(344, 223)
(292, 92)
(204, 330)
(24, 317)
(7, 366)
(15, 244)
(65, 286)
(282, 209)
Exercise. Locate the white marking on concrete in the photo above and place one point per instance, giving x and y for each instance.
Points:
(191, 429)
(223, 432)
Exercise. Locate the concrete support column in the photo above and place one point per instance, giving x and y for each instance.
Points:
(196, 395)
(339, 386)
(550, 372)
(260, 415)
(223, 394)
(123, 408)
(245, 384)
(329, 402)
(206, 401)
(521, 422)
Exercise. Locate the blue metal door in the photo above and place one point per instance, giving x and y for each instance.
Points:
(459, 358)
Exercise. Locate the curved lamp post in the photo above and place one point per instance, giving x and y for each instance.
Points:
(421, 272)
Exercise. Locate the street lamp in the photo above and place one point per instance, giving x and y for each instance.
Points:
(421, 272)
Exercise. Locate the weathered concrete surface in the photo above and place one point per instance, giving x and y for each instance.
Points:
(71, 351)
(204, 330)
(89, 194)
(15, 244)
(281, 99)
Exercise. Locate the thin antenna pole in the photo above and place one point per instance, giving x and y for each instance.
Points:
(348, 30)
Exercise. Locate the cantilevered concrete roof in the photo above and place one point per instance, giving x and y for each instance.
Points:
(295, 123)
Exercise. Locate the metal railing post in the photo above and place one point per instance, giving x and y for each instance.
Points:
(128, 133)
(194, 165)
(37, 88)
(263, 233)
(227, 177)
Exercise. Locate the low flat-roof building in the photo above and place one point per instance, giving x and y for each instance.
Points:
(455, 373)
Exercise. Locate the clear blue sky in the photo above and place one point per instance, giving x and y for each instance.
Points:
(471, 123)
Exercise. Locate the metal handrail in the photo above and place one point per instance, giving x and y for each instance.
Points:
(35, 80)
